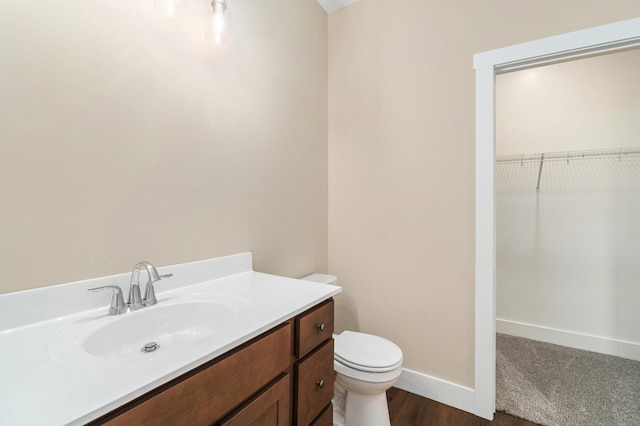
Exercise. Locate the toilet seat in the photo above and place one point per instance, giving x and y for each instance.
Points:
(366, 352)
(366, 368)
(365, 376)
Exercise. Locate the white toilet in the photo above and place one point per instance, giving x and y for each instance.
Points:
(365, 367)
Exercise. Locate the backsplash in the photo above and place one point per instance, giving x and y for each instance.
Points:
(27, 307)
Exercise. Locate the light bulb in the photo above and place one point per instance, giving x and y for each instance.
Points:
(219, 25)
(219, 7)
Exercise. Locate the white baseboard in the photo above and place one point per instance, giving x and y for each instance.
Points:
(438, 390)
(463, 398)
(571, 339)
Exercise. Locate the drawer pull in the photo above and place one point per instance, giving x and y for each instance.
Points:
(320, 383)
(321, 327)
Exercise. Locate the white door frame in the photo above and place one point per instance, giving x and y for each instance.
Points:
(526, 55)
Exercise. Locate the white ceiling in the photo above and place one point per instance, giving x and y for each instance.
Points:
(332, 5)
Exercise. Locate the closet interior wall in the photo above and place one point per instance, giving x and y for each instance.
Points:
(568, 253)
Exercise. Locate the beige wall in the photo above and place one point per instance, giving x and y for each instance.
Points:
(401, 162)
(590, 103)
(125, 136)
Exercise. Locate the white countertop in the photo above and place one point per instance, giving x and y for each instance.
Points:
(42, 386)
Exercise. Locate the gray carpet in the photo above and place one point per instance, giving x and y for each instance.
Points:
(558, 386)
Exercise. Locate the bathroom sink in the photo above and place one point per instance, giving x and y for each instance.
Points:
(167, 326)
(145, 333)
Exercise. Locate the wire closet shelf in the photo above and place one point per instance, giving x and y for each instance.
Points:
(568, 156)
(613, 154)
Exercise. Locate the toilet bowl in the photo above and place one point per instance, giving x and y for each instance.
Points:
(365, 367)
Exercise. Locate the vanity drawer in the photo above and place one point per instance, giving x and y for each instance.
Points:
(314, 383)
(313, 328)
(270, 408)
(210, 393)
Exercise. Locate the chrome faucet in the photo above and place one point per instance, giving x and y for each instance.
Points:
(135, 301)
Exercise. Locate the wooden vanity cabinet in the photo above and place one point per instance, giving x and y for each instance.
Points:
(314, 375)
(282, 377)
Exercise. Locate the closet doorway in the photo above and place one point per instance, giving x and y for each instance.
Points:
(487, 65)
(568, 240)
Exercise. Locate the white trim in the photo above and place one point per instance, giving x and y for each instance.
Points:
(487, 64)
(572, 339)
(485, 365)
(437, 389)
(562, 47)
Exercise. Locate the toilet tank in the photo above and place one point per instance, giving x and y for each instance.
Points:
(321, 278)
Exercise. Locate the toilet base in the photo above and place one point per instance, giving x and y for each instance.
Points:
(378, 416)
(365, 405)
(369, 410)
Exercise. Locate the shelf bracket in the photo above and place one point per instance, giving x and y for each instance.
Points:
(540, 171)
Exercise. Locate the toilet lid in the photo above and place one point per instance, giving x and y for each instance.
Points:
(366, 352)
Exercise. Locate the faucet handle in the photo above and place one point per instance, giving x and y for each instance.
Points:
(150, 293)
(117, 306)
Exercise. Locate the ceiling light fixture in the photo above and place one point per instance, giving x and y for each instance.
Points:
(220, 23)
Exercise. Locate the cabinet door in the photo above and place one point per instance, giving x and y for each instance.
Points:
(270, 408)
(326, 418)
(314, 383)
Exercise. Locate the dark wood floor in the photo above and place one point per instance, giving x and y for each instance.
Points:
(407, 409)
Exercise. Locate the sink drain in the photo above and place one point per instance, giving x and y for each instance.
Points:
(150, 347)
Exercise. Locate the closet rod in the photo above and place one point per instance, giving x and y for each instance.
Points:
(568, 156)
